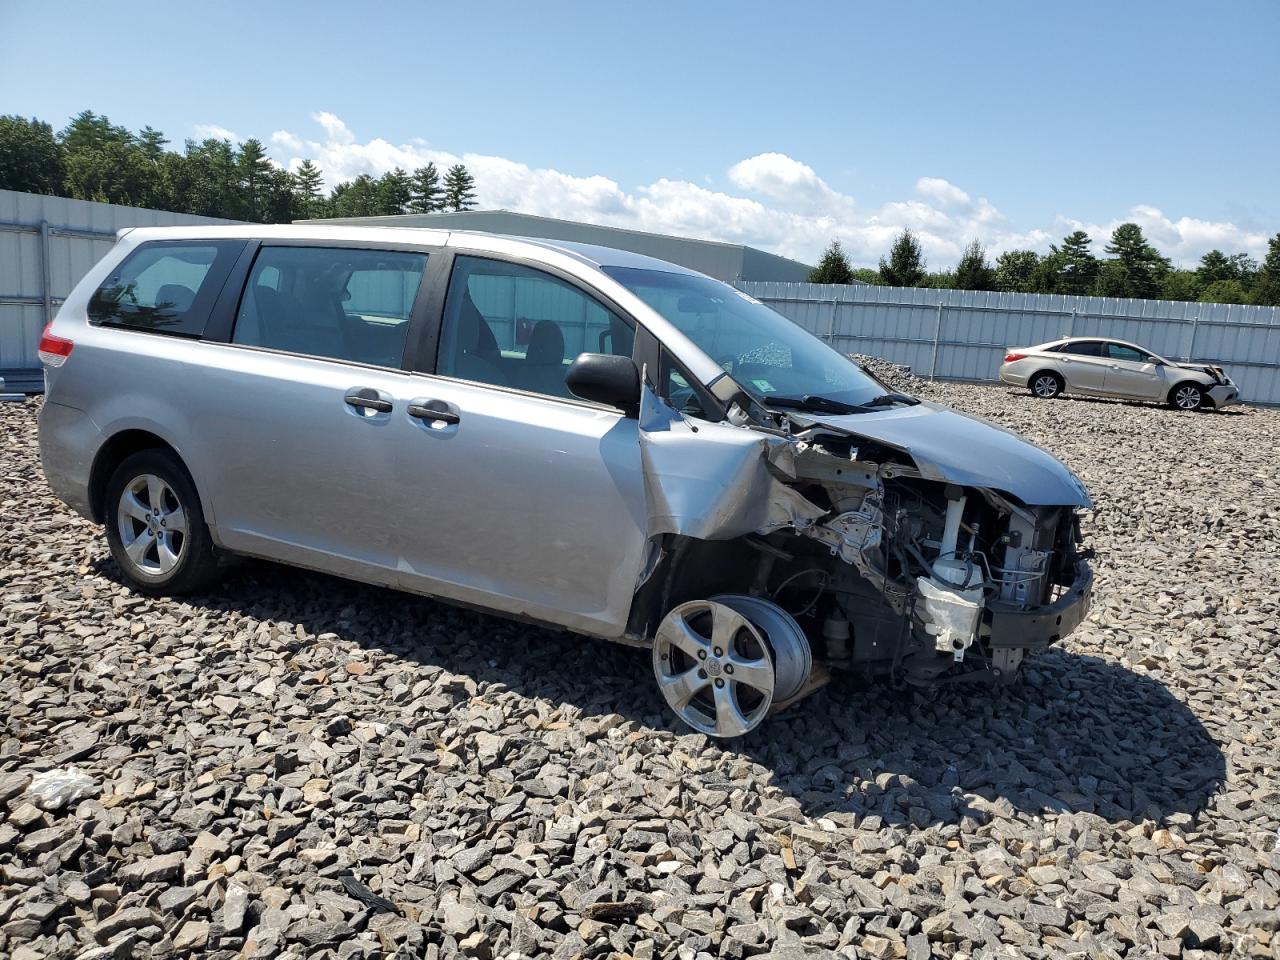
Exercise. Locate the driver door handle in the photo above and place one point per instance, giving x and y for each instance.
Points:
(433, 411)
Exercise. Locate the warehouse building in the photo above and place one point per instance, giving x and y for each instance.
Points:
(724, 261)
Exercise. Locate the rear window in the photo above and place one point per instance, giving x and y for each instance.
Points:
(165, 286)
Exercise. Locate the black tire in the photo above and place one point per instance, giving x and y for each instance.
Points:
(1039, 384)
(189, 562)
(1187, 396)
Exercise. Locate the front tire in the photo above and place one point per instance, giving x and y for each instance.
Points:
(155, 526)
(1187, 396)
(1046, 385)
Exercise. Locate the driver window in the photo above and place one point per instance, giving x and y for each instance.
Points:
(1120, 352)
(513, 326)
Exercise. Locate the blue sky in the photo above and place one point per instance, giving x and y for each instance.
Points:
(781, 125)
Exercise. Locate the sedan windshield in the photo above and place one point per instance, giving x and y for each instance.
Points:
(770, 357)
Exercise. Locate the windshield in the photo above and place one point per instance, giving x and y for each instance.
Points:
(766, 354)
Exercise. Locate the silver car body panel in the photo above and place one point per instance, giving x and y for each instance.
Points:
(561, 533)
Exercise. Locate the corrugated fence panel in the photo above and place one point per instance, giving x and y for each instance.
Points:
(963, 334)
(62, 239)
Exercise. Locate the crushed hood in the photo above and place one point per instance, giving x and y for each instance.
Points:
(956, 448)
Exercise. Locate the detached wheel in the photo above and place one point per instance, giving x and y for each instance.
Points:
(1187, 396)
(713, 668)
(1047, 385)
(155, 527)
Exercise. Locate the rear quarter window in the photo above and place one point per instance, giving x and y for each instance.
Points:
(165, 286)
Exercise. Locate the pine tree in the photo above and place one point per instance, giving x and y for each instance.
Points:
(459, 188)
(255, 171)
(425, 196)
(1077, 266)
(395, 190)
(906, 265)
(973, 272)
(308, 186)
(1266, 287)
(1140, 266)
(834, 267)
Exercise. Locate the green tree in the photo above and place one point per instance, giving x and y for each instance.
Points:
(395, 190)
(459, 188)
(834, 267)
(1225, 291)
(868, 276)
(105, 162)
(1141, 267)
(973, 272)
(308, 189)
(426, 194)
(906, 264)
(359, 198)
(1180, 285)
(1266, 287)
(31, 159)
(1077, 266)
(255, 175)
(941, 280)
(1014, 270)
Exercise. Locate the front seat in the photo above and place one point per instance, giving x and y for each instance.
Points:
(476, 353)
(543, 370)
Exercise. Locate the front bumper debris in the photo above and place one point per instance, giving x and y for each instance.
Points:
(1041, 627)
(1224, 395)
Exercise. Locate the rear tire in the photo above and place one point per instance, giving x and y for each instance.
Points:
(1187, 396)
(1046, 385)
(155, 526)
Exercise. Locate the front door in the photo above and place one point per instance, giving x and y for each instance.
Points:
(511, 494)
(1134, 373)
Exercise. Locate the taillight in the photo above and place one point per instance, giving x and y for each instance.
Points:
(53, 351)
(1011, 357)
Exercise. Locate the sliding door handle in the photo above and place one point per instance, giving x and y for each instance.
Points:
(432, 411)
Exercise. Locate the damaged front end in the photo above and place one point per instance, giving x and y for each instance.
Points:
(917, 544)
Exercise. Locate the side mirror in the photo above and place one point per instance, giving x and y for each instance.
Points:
(602, 378)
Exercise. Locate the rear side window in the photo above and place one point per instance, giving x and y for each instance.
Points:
(1085, 348)
(341, 304)
(165, 286)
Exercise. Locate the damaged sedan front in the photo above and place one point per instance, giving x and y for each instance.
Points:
(827, 522)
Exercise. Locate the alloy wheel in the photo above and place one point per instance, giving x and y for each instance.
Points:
(1187, 398)
(152, 525)
(1045, 387)
(713, 668)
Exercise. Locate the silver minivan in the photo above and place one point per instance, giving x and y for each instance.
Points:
(565, 434)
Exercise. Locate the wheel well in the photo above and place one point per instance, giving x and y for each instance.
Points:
(1183, 383)
(1051, 372)
(111, 455)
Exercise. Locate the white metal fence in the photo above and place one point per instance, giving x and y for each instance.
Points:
(46, 245)
(963, 334)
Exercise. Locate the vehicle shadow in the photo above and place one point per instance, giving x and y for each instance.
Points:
(1076, 733)
(1233, 411)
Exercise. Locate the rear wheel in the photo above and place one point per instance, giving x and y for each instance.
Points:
(1046, 385)
(155, 527)
(1187, 396)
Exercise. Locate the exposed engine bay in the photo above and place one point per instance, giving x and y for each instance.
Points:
(883, 568)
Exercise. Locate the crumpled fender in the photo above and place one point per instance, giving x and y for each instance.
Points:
(715, 481)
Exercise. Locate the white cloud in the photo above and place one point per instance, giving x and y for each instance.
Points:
(779, 203)
(211, 131)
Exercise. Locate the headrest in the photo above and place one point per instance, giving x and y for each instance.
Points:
(546, 343)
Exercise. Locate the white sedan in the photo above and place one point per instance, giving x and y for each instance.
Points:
(1096, 367)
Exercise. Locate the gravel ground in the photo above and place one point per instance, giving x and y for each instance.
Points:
(303, 766)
